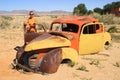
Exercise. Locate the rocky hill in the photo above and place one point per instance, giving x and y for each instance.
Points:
(25, 12)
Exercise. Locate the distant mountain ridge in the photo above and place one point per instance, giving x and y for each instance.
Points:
(25, 12)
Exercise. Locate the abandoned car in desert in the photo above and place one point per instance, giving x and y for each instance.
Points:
(67, 38)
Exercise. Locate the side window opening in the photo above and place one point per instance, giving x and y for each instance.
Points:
(93, 28)
(99, 28)
(85, 31)
(90, 29)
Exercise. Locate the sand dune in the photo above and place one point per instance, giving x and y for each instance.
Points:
(102, 66)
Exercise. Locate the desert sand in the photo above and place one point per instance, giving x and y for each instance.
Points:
(102, 66)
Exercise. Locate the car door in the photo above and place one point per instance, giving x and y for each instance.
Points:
(91, 38)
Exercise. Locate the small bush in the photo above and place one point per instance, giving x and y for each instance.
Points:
(82, 68)
(117, 64)
(95, 62)
(71, 64)
(112, 29)
(5, 21)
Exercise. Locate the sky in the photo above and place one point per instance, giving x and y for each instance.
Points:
(51, 5)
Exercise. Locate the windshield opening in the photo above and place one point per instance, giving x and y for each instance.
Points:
(67, 27)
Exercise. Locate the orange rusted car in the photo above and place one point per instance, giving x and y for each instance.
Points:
(87, 34)
(67, 38)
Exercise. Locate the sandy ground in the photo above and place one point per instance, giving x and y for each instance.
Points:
(102, 66)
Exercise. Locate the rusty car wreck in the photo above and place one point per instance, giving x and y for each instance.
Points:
(67, 38)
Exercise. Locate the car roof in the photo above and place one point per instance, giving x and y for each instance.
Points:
(80, 20)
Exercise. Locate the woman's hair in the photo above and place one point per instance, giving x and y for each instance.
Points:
(31, 12)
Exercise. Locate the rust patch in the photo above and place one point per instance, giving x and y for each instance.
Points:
(32, 37)
(58, 39)
(51, 61)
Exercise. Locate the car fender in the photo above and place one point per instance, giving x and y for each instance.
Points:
(51, 61)
(70, 53)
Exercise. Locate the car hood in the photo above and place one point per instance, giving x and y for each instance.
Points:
(47, 41)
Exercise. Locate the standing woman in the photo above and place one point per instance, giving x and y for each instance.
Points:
(30, 23)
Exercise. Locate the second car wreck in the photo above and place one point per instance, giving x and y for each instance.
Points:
(67, 38)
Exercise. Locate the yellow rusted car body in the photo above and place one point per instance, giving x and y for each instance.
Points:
(67, 38)
(87, 34)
